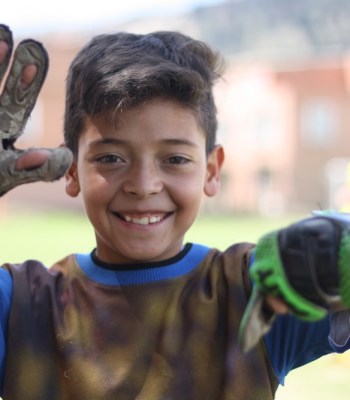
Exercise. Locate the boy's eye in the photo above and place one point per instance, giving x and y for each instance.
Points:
(178, 160)
(108, 159)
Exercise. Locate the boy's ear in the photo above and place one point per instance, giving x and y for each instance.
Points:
(214, 165)
(72, 180)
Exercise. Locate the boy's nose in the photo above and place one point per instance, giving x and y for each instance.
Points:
(143, 181)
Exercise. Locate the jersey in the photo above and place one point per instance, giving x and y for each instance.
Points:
(168, 330)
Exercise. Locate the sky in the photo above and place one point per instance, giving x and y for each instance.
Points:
(41, 16)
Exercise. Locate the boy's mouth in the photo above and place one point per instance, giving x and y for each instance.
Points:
(143, 219)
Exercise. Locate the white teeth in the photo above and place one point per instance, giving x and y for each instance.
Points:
(143, 220)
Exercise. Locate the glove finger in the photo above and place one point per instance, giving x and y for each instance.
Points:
(17, 101)
(256, 321)
(343, 221)
(6, 41)
(53, 168)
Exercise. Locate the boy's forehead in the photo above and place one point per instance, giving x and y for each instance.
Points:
(156, 111)
(162, 122)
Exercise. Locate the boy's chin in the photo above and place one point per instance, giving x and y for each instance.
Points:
(138, 256)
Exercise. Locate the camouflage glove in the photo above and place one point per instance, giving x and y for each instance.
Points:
(307, 265)
(16, 103)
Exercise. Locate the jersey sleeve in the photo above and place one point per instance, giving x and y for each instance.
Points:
(5, 303)
(292, 342)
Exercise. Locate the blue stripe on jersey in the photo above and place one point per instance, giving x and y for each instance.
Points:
(5, 303)
(145, 275)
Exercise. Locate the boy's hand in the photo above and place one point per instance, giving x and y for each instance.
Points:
(17, 100)
(306, 265)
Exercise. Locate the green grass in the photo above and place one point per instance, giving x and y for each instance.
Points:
(222, 230)
(324, 379)
(44, 236)
(50, 236)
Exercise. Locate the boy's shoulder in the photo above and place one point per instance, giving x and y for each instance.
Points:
(33, 270)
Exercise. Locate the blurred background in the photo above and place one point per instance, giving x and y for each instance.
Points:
(284, 120)
(283, 103)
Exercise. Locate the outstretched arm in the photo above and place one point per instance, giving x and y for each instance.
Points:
(25, 77)
(306, 266)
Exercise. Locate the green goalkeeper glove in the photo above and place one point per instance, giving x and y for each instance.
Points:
(306, 265)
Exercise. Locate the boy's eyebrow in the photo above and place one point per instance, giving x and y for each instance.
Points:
(180, 142)
(116, 141)
(107, 140)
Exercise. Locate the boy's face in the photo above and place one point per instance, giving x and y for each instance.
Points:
(142, 178)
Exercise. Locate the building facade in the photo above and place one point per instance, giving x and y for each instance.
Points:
(286, 133)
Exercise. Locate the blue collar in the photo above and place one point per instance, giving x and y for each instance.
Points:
(176, 267)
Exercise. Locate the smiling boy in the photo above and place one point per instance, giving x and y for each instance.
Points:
(145, 315)
(142, 179)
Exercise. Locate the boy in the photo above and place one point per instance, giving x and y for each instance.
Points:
(146, 316)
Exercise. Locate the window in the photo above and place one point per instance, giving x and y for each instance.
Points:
(264, 131)
(319, 122)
